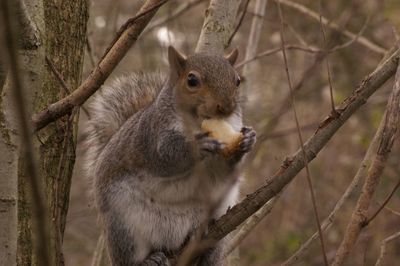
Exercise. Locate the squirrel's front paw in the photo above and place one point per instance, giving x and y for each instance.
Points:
(208, 145)
(244, 145)
(156, 259)
(248, 139)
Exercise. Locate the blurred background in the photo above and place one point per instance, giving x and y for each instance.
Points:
(291, 221)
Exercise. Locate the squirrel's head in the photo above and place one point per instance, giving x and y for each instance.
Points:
(206, 86)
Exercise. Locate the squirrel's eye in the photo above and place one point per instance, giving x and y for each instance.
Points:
(192, 80)
(237, 81)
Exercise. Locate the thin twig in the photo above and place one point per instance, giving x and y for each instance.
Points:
(285, 103)
(347, 195)
(383, 204)
(392, 211)
(249, 225)
(28, 152)
(307, 74)
(291, 167)
(308, 174)
(288, 131)
(130, 22)
(128, 35)
(62, 82)
(305, 48)
(177, 12)
(240, 22)
(359, 216)
(383, 247)
(328, 69)
(361, 40)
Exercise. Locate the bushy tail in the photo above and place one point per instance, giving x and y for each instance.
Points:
(112, 105)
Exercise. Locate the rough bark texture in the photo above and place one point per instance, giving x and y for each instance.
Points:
(217, 27)
(64, 42)
(8, 180)
(32, 58)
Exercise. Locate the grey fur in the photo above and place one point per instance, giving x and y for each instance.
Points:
(154, 177)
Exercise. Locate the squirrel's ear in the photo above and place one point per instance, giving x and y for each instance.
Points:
(232, 56)
(176, 59)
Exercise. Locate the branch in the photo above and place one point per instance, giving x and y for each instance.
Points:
(246, 4)
(359, 216)
(328, 68)
(177, 12)
(308, 173)
(62, 82)
(29, 37)
(361, 40)
(218, 25)
(383, 247)
(128, 35)
(250, 224)
(355, 183)
(384, 203)
(291, 167)
(252, 43)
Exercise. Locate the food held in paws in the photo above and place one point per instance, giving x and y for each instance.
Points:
(222, 131)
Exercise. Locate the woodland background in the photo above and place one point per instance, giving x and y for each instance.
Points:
(291, 220)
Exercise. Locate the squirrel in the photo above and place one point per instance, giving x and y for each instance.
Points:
(157, 175)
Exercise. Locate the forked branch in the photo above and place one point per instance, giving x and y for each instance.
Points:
(128, 35)
(359, 217)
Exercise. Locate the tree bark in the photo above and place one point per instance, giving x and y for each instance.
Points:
(31, 58)
(64, 36)
(218, 25)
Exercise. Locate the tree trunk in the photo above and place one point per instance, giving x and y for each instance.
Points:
(32, 57)
(64, 41)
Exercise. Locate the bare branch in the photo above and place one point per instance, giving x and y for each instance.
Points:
(304, 47)
(361, 40)
(62, 82)
(383, 247)
(177, 12)
(384, 203)
(250, 224)
(355, 183)
(359, 216)
(217, 26)
(246, 4)
(328, 69)
(291, 167)
(129, 33)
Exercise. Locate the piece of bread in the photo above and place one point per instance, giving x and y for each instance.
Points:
(222, 131)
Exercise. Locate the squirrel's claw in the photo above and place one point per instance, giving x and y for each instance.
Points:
(248, 140)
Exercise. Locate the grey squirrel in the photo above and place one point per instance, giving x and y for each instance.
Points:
(157, 175)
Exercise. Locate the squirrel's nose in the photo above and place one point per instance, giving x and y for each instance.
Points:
(225, 109)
